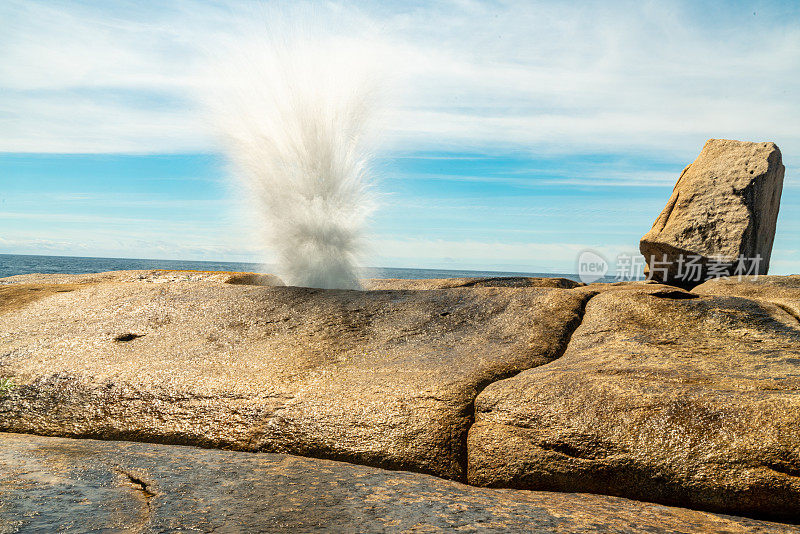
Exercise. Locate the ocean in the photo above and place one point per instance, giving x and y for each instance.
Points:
(12, 264)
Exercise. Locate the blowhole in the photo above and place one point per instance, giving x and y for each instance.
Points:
(130, 336)
(676, 294)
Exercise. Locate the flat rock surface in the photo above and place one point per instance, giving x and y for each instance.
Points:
(385, 378)
(660, 394)
(64, 485)
(447, 283)
(666, 398)
(154, 276)
(781, 290)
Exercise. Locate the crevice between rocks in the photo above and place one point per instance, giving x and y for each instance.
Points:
(572, 326)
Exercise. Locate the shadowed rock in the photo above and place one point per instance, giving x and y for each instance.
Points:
(447, 283)
(783, 291)
(691, 401)
(723, 207)
(62, 485)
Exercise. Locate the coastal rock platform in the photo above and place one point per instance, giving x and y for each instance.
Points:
(631, 390)
(67, 485)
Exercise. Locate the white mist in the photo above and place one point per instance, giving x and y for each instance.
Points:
(294, 116)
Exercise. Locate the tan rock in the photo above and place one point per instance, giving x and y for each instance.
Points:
(662, 394)
(385, 378)
(63, 485)
(447, 283)
(155, 276)
(783, 291)
(723, 207)
(684, 401)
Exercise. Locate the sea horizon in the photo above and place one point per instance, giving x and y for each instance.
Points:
(18, 264)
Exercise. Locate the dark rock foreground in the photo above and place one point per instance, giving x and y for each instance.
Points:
(64, 485)
(636, 390)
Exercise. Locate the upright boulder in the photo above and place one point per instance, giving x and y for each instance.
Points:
(721, 216)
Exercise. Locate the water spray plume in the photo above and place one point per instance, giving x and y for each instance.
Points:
(295, 120)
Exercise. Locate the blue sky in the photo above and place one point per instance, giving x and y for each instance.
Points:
(516, 134)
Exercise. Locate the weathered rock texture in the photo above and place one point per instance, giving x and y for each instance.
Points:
(154, 276)
(448, 283)
(385, 378)
(62, 485)
(724, 205)
(661, 397)
(783, 291)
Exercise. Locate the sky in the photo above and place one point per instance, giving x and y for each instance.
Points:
(514, 135)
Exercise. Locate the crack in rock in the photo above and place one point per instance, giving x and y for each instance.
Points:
(572, 327)
(141, 486)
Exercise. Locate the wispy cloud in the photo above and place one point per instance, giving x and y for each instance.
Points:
(469, 253)
(658, 77)
(529, 94)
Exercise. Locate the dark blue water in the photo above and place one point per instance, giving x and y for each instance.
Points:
(11, 264)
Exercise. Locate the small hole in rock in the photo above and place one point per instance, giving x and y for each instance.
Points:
(751, 172)
(674, 295)
(127, 337)
(444, 314)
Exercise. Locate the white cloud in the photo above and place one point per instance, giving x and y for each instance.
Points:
(546, 77)
(486, 255)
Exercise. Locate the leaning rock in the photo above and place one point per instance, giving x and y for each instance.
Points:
(63, 485)
(667, 397)
(724, 207)
(385, 378)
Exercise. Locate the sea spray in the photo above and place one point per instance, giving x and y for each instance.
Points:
(295, 117)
